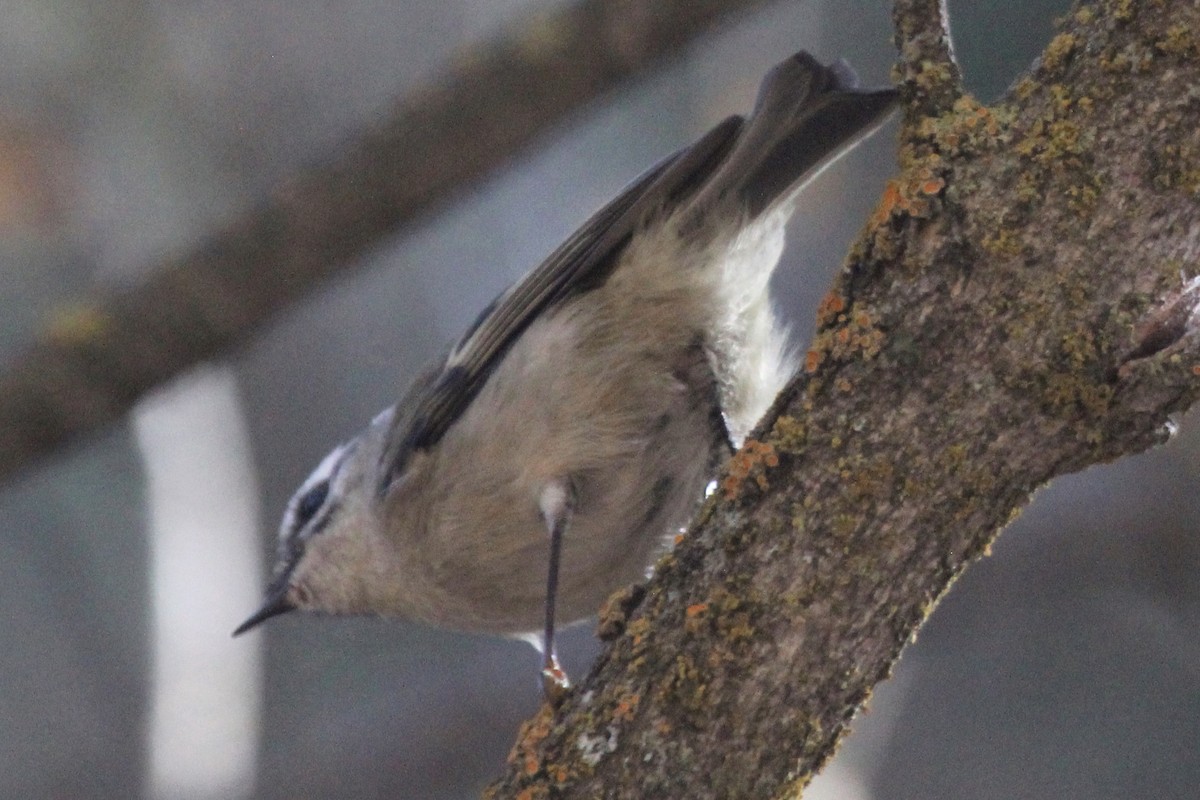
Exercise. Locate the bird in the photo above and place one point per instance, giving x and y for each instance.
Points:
(558, 446)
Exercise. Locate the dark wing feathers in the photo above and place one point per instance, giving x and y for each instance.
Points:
(580, 263)
(805, 115)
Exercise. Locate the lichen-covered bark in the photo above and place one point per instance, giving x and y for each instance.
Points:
(1021, 305)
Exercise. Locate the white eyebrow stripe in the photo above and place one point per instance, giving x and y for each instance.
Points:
(324, 470)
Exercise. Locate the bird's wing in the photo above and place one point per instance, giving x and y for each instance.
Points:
(580, 263)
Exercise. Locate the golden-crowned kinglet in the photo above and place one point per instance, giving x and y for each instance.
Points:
(574, 427)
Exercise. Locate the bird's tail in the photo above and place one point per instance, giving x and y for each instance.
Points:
(807, 115)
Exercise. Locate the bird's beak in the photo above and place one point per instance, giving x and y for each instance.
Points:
(277, 603)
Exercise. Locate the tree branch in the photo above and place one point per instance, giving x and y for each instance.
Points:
(92, 361)
(927, 70)
(1017, 308)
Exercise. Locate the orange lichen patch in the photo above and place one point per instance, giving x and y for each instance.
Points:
(753, 460)
(855, 336)
(830, 306)
(638, 630)
(530, 737)
(697, 615)
(909, 195)
(812, 360)
(968, 127)
(888, 203)
(1196, 369)
(933, 186)
(626, 707)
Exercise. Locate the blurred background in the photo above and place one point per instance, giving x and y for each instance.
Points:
(1067, 665)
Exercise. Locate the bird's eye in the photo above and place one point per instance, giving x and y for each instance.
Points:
(311, 502)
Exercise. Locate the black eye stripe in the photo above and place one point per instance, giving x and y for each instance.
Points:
(319, 525)
(310, 503)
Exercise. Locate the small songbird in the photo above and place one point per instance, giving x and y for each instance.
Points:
(549, 457)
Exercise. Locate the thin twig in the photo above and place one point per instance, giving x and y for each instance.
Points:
(927, 72)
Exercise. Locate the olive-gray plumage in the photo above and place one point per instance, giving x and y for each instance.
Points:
(605, 386)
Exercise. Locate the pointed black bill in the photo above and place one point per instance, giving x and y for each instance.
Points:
(277, 603)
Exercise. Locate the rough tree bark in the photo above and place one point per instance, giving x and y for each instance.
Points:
(93, 360)
(1021, 305)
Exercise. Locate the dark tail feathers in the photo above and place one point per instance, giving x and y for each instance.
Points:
(806, 116)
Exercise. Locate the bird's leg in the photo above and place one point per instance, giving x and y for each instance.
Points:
(557, 505)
